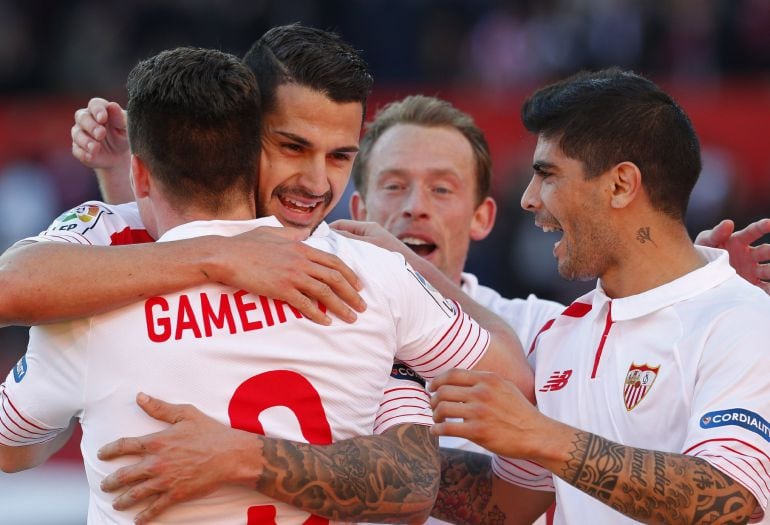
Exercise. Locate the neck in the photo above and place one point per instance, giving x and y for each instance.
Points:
(169, 216)
(651, 256)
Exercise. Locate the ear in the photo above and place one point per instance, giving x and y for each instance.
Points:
(140, 177)
(483, 219)
(357, 207)
(626, 180)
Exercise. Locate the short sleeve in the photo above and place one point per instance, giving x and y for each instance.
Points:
(405, 400)
(95, 223)
(730, 422)
(433, 333)
(44, 390)
(523, 473)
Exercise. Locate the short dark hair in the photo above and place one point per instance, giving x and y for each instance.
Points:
(194, 119)
(310, 57)
(430, 112)
(607, 117)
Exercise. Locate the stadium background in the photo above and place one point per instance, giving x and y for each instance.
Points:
(483, 55)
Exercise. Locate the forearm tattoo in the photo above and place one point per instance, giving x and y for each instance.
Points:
(391, 478)
(465, 489)
(655, 487)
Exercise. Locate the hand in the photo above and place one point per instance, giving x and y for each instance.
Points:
(373, 233)
(494, 414)
(192, 458)
(273, 262)
(99, 138)
(749, 261)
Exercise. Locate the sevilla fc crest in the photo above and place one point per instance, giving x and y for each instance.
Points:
(639, 381)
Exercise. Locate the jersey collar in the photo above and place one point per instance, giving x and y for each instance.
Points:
(716, 271)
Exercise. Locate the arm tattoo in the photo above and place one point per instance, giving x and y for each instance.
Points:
(655, 487)
(465, 489)
(388, 478)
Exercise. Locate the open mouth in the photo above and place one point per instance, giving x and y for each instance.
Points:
(421, 247)
(296, 205)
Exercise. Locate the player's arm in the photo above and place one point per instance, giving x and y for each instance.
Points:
(16, 459)
(392, 477)
(504, 355)
(751, 262)
(470, 493)
(45, 282)
(646, 485)
(100, 142)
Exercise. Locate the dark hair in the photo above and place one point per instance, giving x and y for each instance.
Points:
(309, 57)
(607, 117)
(428, 112)
(194, 119)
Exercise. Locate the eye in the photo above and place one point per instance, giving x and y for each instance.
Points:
(341, 156)
(392, 186)
(442, 190)
(292, 146)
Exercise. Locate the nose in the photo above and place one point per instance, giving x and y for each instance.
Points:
(314, 177)
(530, 199)
(416, 203)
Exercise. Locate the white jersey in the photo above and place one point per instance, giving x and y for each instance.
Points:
(248, 361)
(681, 368)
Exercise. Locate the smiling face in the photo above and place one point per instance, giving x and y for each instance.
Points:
(308, 146)
(563, 199)
(421, 186)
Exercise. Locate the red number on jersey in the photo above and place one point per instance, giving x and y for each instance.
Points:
(279, 388)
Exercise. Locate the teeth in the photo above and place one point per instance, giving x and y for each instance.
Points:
(300, 204)
(414, 240)
(549, 229)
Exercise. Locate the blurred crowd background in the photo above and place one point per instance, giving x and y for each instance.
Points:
(483, 55)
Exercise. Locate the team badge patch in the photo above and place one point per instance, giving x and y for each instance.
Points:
(738, 417)
(80, 219)
(447, 305)
(20, 370)
(639, 381)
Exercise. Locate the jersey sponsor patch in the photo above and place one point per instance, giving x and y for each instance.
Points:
(738, 417)
(80, 219)
(20, 370)
(639, 381)
(446, 305)
(403, 372)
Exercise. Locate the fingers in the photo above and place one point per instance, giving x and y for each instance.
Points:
(125, 477)
(137, 493)
(116, 117)
(457, 377)
(97, 108)
(163, 411)
(717, 236)
(122, 447)
(761, 254)
(753, 232)
(159, 504)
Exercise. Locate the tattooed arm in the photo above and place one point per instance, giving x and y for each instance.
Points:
(392, 477)
(648, 486)
(651, 486)
(470, 494)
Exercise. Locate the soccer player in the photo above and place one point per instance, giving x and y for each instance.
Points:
(238, 356)
(311, 133)
(423, 173)
(651, 391)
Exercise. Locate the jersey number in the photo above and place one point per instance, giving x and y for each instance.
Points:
(272, 389)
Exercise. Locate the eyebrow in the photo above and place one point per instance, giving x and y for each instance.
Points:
(304, 142)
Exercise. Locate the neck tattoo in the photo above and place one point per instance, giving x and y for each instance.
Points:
(643, 235)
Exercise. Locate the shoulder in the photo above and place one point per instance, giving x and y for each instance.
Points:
(96, 222)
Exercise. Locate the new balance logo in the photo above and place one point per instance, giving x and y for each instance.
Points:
(557, 381)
